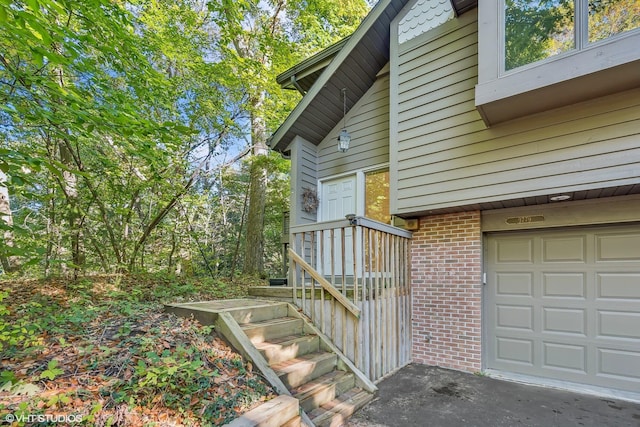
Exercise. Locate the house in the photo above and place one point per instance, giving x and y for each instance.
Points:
(513, 156)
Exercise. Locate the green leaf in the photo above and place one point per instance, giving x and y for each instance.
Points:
(52, 370)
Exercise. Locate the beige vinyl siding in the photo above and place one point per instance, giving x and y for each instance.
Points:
(445, 156)
(368, 124)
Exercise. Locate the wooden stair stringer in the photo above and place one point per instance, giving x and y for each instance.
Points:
(362, 380)
(235, 334)
(231, 330)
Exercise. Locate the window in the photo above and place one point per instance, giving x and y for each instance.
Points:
(376, 196)
(539, 29)
(537, 55)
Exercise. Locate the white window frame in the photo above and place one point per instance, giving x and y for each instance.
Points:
(495, 84)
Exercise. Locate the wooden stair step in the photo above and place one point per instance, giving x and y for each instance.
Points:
(274, 328)
(295, 372)
(323, 389)
(259, 312)
(281, 349)
(337, 412)
(276, 412)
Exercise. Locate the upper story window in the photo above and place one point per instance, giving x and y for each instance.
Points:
(536, 55)
(540, 29)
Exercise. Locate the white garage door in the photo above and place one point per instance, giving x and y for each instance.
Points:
(565, 304)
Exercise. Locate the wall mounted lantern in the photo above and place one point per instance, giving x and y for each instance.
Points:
(344, 138)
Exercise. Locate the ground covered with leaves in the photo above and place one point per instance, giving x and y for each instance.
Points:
(101, 351)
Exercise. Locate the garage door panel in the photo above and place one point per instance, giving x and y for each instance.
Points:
(569, 249)
(565, 356)
(618, 247)
(514, 350)
(619, 324)
(565, 320)
(514, 251)
(568, 285)
(565, 304)
(621, 364)
(619, 285)
(517, 284)
(514, 316)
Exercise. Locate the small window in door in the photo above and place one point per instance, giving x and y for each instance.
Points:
(376, 196)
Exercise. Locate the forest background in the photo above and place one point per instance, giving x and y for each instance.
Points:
(134, 172)
(133, 133)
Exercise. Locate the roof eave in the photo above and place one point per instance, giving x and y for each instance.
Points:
(275, 141)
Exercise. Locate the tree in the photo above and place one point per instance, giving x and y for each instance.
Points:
(112, 115)
(261, 39)
(7, 261)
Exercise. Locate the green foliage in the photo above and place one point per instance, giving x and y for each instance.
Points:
(124, 353)
(118, 122)
(17, 334)
(52, 371)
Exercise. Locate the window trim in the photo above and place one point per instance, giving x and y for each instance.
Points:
(557, 72)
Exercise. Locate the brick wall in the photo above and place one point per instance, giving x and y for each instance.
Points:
(446, 285)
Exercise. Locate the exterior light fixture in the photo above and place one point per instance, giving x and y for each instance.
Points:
(559, 198)
(344, 138)
(343, 141)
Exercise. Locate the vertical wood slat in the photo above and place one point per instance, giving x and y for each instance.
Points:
(378, 342)
(332, 251)
(322, 291)
(314, 263)
(293, 271)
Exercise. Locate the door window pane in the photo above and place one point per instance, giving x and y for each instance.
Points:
(610, 17)
(376, 196)
(537, 29)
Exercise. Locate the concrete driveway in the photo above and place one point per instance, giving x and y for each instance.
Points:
(419, 395)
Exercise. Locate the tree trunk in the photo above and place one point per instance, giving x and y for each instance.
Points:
(70, 183)
(254, 248)
(9, 263)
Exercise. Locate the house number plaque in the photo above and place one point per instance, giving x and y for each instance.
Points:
(525, 219)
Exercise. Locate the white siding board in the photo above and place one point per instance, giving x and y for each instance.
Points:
(446, 157)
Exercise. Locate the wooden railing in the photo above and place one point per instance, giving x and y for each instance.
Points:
(351, 277)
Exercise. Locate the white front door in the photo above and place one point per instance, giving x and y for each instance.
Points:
(338, 199)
